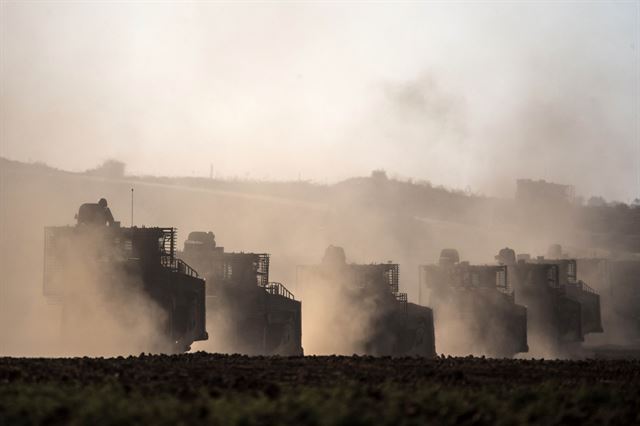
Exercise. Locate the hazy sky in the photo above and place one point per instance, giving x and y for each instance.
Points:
(466, 95)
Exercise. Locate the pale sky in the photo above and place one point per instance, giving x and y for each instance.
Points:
(465, 95)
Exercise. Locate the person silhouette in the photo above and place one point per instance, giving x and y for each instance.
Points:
(95, 214)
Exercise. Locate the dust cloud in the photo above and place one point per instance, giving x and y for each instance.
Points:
(340, 316)
(376, 218)
(281, 106)
(473, 96)
(104, 309)
(221, 332)
(332, 323)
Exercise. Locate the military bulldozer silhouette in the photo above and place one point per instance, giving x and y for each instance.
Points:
(392, 326)
(98, 263)
(479, 301)
(562, 308)
(248, 314)
(618, 281)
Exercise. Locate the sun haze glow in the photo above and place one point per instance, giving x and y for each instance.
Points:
(462, 95)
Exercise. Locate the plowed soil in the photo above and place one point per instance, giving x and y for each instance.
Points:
(216, 389)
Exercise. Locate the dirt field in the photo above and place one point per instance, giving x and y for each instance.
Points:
(214, 389)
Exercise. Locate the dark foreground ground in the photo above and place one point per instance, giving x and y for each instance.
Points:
(203, 388)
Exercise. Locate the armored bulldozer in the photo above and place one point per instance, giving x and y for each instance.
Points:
(247, 313)
(582, 293)
(362, 309)
(474, 306)
(618, 281)
(561, 308)
(114, 277)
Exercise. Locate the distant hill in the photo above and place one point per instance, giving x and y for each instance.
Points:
(614, 226)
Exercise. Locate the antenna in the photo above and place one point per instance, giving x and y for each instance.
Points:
(132, 207)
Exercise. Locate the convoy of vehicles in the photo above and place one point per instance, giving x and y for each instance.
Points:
(204, 292)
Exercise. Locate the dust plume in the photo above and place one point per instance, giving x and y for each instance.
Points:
(468, 97)
(94, 304)
(221, 332)
(337, 318)
(262, 123)
(379, 218)
(103, 306)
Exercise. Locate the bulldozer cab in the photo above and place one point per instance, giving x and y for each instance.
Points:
(200, 242)
(97, 214)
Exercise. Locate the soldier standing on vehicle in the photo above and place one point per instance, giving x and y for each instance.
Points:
(95, 214)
